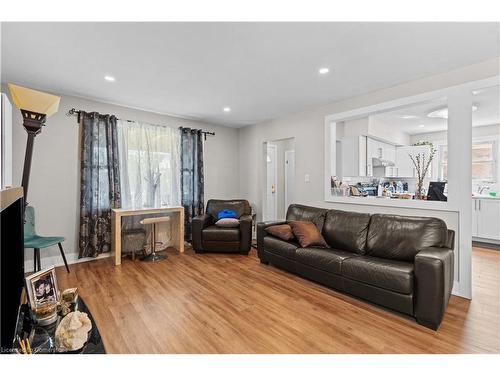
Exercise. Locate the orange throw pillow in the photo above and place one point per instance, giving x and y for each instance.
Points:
(282, 231)
(307, 234)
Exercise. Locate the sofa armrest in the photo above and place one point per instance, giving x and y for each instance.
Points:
(246, 233)
(433, 284)
(261, 233)
(199, 223)
(450, 240)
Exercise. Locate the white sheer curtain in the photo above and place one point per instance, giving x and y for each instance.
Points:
(149, 164)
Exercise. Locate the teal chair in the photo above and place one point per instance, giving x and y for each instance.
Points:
(36, 242)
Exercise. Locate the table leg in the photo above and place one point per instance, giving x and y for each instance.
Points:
(181, 231)
(116, 237)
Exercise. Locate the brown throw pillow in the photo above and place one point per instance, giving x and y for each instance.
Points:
(282, 231)
(307, 234)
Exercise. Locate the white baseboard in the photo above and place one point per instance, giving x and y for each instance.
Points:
(56, 260)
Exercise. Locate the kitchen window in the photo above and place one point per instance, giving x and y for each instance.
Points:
(484, 163)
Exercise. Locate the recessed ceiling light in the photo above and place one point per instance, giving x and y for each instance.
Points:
(421, 126)
(408, 117)
(324, 70)
(443, 112)
(109, 78)
(226, 109)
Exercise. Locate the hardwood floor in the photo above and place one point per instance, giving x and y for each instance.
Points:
(215, 303)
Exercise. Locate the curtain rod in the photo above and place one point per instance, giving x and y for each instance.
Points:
(76, 112)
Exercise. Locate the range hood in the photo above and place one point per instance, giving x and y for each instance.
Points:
(378, 162)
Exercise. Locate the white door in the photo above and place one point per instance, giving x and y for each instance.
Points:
(289, 179)
(271, 200)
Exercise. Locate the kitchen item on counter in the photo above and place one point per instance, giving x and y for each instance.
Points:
(367, 189)
(493, 193)
(344, 187)
(355, 191)
(386, 193)
(402, 196)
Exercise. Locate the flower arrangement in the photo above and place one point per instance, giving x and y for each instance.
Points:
(422, 162)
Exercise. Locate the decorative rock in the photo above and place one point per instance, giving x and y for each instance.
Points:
(72, 331)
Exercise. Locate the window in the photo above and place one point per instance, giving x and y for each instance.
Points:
(149, 164)
(483, 161)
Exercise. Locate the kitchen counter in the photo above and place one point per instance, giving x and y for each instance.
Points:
(391, 202)
(484, 196)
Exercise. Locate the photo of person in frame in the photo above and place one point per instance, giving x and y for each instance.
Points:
(44, 289)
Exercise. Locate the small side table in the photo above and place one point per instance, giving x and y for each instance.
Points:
(42, 339)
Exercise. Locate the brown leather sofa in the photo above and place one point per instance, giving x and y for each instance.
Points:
(207, 237)
(401, 262)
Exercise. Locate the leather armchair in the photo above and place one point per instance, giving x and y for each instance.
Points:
(207, 237)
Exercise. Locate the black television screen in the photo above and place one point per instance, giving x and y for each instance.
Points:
(11, 269)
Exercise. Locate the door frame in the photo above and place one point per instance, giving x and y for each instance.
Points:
(288, 152)
(267, 145)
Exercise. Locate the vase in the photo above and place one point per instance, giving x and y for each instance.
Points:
(418, 193)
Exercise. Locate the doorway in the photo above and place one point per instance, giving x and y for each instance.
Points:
(279, 187)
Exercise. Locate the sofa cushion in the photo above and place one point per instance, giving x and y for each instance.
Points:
(307, 234)
(402, 237)
(279, 247)
(346, 230)
(282, 231)
(383, 273)
(299, 212)
(215, 233)
(228, 223)
(329, 260)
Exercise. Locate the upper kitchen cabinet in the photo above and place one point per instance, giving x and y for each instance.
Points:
(405, 166)
(380, 158)
(353, 155)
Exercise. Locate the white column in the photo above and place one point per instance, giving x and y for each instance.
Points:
(459, 182)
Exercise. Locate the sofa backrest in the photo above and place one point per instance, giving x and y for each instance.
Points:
(402, 237)
(306, 213)
(240, 206)
(346, 230)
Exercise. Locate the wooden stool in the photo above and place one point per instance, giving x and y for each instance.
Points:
(154, 257)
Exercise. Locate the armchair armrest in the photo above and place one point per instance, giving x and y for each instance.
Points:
(246, 233)
(199, 223)
(261, 233)
(433, 284)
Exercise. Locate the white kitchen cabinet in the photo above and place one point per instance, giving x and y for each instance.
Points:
(380, 150)
(354, 156)
(404, 165)
(474, 217)
(486, 219)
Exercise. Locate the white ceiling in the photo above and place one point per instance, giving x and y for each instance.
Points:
(486, 100)
(261, 70)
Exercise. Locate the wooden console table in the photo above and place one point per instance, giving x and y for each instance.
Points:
(177, 226)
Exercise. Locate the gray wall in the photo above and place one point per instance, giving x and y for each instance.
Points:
(55, 177)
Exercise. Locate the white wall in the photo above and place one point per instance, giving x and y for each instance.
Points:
(308, 129)
(55, 174)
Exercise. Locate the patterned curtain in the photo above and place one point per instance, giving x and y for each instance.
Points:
(192, 182)
(99, 182)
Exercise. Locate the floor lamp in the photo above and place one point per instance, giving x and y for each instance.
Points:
(35, 107)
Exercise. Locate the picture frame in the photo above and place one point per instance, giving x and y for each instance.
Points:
(42, 287)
